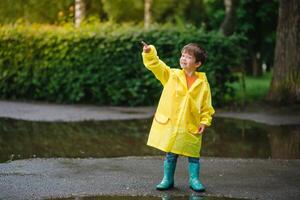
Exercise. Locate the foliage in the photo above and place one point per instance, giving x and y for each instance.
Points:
(46, 11)
(102, 64)
(250, 93)
(256, 20)
(119, 11)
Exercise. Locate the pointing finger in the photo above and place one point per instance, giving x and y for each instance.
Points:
(144, 43)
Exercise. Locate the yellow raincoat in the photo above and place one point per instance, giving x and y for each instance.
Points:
(180, 110)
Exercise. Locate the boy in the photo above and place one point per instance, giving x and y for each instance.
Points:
(183, 112)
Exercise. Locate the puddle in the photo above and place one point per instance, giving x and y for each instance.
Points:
(227, 138)
(191, 197)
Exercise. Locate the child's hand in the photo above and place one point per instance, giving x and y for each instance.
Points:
(146, 48)
(201, 128)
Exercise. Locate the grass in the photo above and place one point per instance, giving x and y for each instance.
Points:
(256, 88)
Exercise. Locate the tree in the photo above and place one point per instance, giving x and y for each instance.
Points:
(147, 13)
(227, 27)
(285, 85)
(120, 11)
(79, 12)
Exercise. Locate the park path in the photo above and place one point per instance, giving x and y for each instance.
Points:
(37, 111)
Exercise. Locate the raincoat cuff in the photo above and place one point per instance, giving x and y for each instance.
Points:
(205, 122)
(150, 55)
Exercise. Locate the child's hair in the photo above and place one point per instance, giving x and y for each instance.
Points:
(196, 50)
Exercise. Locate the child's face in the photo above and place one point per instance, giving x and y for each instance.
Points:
(188, 61)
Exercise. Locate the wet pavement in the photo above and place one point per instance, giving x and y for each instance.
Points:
(137, 176)
(69, 157)
(270, 119)
(37, 111)
(164, 197)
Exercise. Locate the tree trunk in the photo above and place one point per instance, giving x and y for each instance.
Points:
(285, 85)
(147, 13)
(79, 12)
(256, 64)
(227, 27)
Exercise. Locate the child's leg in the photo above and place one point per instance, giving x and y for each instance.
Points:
(194, 170)
(169, 170)
(193, 160)
(171, 157)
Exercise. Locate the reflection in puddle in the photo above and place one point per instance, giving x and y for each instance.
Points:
(191, 197)
(226, 138)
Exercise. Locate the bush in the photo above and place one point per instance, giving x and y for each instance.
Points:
(104, 66)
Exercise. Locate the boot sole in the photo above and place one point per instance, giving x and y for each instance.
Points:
(203, 190)
(170, 187)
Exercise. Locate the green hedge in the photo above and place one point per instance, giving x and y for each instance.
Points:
(103, 66)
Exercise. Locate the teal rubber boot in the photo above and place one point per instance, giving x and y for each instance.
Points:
(168, 179)
(195, 183)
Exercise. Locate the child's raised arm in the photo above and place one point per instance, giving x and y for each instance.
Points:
(154, 64)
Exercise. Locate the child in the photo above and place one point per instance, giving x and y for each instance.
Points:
(183, 112)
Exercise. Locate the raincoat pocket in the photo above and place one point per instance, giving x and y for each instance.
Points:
(193, 137)
(160, 133)
(193, 129)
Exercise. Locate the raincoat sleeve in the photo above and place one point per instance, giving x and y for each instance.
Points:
(206, 108)
(154, 64)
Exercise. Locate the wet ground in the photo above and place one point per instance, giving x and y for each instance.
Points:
(226, 138)
(39, 111)
(137, 176)
(165, 197)
(79, 159)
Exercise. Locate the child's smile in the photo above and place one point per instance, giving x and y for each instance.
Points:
(188, 61)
